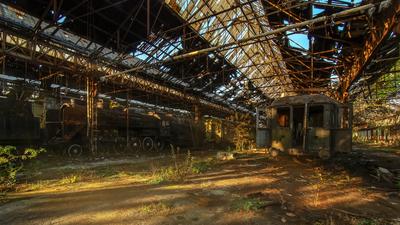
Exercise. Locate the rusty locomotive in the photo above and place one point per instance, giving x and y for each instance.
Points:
(63, 127)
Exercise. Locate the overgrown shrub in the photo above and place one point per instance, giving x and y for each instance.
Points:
(11, 162)
(180, 169)
(178, 172)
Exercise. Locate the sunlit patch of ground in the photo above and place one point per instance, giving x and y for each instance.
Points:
(251, 189)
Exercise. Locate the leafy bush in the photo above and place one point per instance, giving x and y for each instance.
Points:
(11, 162)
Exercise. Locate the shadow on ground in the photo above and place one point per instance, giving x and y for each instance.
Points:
(299, 190)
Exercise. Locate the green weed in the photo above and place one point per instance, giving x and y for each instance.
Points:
(11, 162)
(178, 172)
(38, 185)
(248, 204)
(159, 208)
(105, 171)
(367, 222)
(71, 179)
(202, 166)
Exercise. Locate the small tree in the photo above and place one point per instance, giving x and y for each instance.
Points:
(242, 136)
(11, 162)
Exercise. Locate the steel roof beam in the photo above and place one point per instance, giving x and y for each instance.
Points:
(383, 24)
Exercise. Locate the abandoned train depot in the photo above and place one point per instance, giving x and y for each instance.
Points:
(200, 112)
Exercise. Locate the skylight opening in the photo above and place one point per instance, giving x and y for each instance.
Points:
(61, 18)
(140, 55)
(317, 11)
(298, 40)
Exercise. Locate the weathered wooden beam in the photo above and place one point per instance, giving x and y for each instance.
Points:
(384, 22)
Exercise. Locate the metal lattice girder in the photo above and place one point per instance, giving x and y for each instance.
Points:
(61, 49)
(383, 24)
(225, 21)
(55, 56)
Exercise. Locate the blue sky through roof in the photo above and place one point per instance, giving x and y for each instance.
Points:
(300, 40)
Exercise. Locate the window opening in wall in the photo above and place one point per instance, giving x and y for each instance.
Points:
(283, 117)
(316, 116)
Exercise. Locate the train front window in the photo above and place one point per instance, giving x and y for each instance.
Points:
(283, 117)
(316, 116)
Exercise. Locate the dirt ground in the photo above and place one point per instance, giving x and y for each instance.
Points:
(251, 189)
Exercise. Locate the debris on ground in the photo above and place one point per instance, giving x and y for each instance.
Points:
(248, 190)
(226, 156)
(384, 174)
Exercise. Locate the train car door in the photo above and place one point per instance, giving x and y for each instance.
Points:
(298, 126)
(317, 132)
(342, 141)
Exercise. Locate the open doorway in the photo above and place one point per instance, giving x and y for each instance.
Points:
(298, 125)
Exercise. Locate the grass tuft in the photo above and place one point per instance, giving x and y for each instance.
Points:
(248, 204)
(159, 208)
(178, 172)
(71, 179)
(202, 166)
(367, 222)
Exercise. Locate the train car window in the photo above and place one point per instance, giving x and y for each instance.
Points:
(165, 123)
(344, 117)
(316, 116)
(262, 119)
(283, 117)
(333, 116)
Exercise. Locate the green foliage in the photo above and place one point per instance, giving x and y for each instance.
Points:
(107, 171)
(159, 208)
(38, 185)
(163, 175)
(71, 179)
(178, 172)
(243, 136)
(367, 222)
(248, 204)
(11, 162)
(201, 166)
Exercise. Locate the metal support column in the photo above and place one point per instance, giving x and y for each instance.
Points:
(91, 114)
(305, 129)
(127, 119)
(197, 116)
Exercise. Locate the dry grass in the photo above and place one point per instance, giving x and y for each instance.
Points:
(156, 208)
